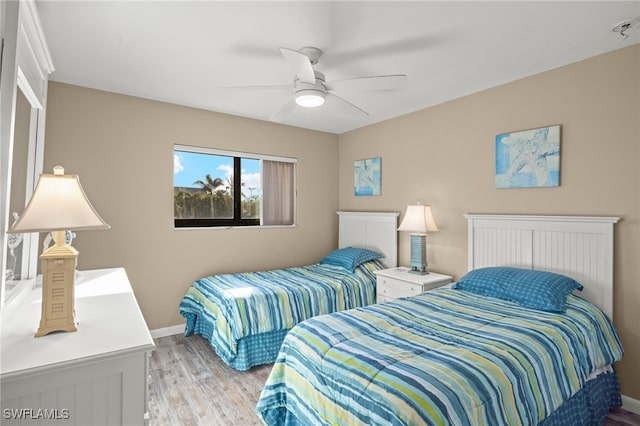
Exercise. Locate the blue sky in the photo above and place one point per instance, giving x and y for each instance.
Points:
(189, 167)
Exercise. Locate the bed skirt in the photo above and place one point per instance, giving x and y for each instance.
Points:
(252, 350)
(588, 407)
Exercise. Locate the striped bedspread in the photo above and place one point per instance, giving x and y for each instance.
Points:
(446, 357)
(251, 303)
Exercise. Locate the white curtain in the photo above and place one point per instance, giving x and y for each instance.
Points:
(277, 192)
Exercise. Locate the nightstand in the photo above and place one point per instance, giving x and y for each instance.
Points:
(398, 282)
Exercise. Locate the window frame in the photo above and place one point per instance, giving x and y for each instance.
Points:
(237, 220)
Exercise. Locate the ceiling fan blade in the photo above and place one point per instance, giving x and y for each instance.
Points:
(349, 104)
(380, 82)
(300, 63)
(284, 110)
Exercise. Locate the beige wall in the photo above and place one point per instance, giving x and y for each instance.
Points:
(444, 156)
(122, 149)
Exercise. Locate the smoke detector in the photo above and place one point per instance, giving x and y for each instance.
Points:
(626, 25)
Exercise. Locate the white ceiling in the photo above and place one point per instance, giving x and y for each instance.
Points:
(184, 52)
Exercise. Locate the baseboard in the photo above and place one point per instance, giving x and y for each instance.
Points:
(167, 331)
(631, 404)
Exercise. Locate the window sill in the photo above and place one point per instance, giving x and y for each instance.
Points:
(205, 228)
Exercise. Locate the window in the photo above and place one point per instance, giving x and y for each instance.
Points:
(223, 188)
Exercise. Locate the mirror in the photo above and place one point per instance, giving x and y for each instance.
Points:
(22, 249)
(28, 151)
(17, 260)
(26, 65)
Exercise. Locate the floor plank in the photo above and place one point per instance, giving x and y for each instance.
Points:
(191, 386)
(620, 417)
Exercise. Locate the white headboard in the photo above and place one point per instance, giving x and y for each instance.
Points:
(373, 230)
(580, 247)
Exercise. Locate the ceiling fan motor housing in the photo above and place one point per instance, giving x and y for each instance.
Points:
(318, 85)
(311, 94)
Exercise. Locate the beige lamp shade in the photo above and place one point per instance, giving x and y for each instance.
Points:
(418, 218)
(58, 203)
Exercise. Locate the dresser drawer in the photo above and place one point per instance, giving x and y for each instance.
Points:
(393, 288)
(398, 282)
(383, 299)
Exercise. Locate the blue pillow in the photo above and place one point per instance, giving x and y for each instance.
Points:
(541, 290)
(350, 257)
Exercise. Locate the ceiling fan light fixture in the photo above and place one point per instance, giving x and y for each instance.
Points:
(309, 98)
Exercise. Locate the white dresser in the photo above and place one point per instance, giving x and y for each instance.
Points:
(95, 376)
(399, 282)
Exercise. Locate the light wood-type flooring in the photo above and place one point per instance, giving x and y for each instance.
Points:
(191, 386)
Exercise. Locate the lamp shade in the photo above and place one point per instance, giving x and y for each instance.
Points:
(58, 203)
(418, 218)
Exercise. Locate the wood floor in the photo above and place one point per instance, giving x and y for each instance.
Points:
(620, 417)
(191, 386)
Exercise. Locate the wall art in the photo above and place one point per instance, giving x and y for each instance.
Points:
(528, 158)
(367, 177)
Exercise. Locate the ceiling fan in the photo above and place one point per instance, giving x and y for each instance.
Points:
(310, 88)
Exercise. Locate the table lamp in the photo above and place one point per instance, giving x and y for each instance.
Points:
(58, 204)
(418, 220)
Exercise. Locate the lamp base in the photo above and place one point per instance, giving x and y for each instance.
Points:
(418, 261)
(58, 284)
(44, 330)
(418, 271)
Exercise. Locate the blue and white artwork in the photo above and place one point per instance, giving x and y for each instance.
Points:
(367, 177)
(528, 158)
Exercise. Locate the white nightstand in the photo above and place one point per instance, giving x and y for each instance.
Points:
(398, 282)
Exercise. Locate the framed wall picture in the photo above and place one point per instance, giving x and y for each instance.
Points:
(528, 158)
(367, 177)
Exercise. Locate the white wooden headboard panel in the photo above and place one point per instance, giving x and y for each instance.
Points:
(577, 246)
(373, 230)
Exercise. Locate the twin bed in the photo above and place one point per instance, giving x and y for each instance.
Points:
(246, 316)
(512, 342)
(502, 346)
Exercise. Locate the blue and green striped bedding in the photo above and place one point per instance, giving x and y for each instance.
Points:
(257, 308)
(445, 357)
